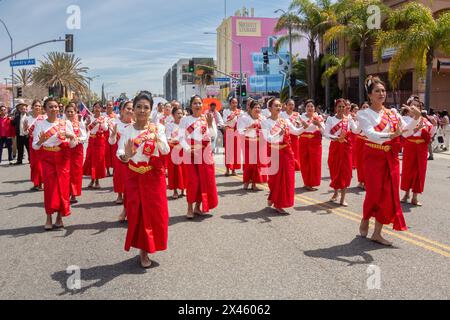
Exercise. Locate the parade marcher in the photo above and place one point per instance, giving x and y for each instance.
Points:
(53, 138)
(219, 124)
(141, 147)
(249, 127)
(110, 150)
(231, 138)
(338, 129)
(358, 148)
(35, 161)
(165, 117)
(120, 169)
(415, 154)
(382, 127)
(94, 165)
(21, 133)
(157, 113)
(281, 182)
(6, 133)
(175, 170)
(294, 118)
(195, 135)
(311, 146)
(76, 152)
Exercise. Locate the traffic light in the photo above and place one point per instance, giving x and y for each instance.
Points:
(244, 90)
(292, 81)
(69, 43)
(51, 92)
(191, 66)
(266, 57)
(238, 90)
(19, 92)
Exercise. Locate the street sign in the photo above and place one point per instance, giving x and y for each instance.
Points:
(213, 90)
(234, 82)
(221, 79)
(25, 62)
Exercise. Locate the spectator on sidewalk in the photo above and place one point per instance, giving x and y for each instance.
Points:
(445, 124)
(21, 134)
(6, 133)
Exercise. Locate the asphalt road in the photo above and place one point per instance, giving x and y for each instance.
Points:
(243, 251)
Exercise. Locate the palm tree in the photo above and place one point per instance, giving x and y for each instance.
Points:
(335, 65)
(351, 25)
(63, 71)
(299, 72)
(23, 77)
(417, 36)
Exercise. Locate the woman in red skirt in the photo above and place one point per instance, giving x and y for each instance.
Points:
(118, 127)
(415, 154)
(360, 141)
(35, 161)
(382, 127)
(277, 133)
(231, 138)
(52, 138)
(175, 169)
(294, 118)
(94, 165)
(76, 151)
(311, 146)
(249, 127)
(110, 150)
(338, 129)
(195, 134)
(141, 147)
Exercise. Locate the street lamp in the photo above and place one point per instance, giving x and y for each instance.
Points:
(240, 60)
(290, 49)
(89, 84)
(12, 68)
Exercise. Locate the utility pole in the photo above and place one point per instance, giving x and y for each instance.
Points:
(12, 68)
(290, 49)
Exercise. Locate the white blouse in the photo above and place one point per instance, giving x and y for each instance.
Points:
(130, 133)
(196, 135)
(332, 122)
(408, 119)
(82, 137)
(244, 124)
(100, 124)
(274, 136)
(31, 121)
(312, 128)
(295, 116)
(121, 126)
(369, 119)
(53, 141)
(172, 132)
(231, 123)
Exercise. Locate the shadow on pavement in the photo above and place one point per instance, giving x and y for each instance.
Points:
(97, 205)
(11, 194)
(235, 192)
(22, 232)
(101, 274)
(16, 181)
(182, 219)
(29, 205)
(264, 215)
(356, 190)
(315, 208)
(358, 247)
(230, 184)
(101, 227)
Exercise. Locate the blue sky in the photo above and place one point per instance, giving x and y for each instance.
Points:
(130, 44)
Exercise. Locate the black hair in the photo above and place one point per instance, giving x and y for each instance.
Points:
(124, 103)
(175, 109)
(48, 100)
(272, 101)
(143, 95)
(308, 101)
(253, 104)
(371, 81)
(193, 98)
(290, 100)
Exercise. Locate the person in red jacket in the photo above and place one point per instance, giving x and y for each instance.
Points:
(6, 133)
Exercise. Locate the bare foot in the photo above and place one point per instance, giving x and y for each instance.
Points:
(334, 198)
(380, 240)
(416, 202)
(190, 215)
(269, 203)
(405, 199)
(245, 186)
(122, 217)
(281, 211)
(145, 260)
(344, 204)
(364, 228)
(49, 223)
(255, 188)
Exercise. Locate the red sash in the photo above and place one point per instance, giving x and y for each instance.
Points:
(200, 123)
(234, 114)
(33, 124)
(343, 124)
(148, 139)
(388, 117)
(60, 128)
(96, 122)
(76, 128)
(278, 127)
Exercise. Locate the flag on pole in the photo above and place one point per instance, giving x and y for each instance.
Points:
(83, 109)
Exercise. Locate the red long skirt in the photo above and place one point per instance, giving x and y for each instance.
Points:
(94, 165)
(147, 209)
(110, 152)
(340, 165)
(232, 145)
(382, 179)
(35, 166)
(359, 157)
(119, 176)
(415, 159)
(201, 183)
(351, 137)
(56, 173)
(295, 144)
(76, 170)
(311, 159)
(176, 172)
(282, 184)
(253, 161)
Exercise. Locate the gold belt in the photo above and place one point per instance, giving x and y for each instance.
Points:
(52, 149)
(252, 138)
(278, 146)
(418, 141)
(361, 137)
(385, 148)
(140, 170)
(308, 136)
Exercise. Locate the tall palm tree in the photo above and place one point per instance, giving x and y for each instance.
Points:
(417, 36)
(335, 64)
(63, 71)
(23, 77)
(351, 25)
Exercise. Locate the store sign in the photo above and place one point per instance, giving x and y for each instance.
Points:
(248, 28)
(388, 53)
(213, 90)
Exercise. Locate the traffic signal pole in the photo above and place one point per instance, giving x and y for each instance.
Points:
(241, 78)
(30, 47)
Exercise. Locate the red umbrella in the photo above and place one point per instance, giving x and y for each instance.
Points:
(207, 103)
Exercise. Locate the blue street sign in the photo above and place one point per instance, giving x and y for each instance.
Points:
(221, 79)
(25, 62)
